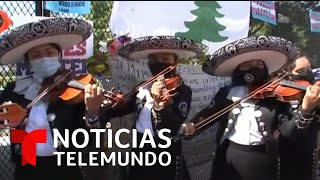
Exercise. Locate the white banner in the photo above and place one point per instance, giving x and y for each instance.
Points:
(126, 75)
(72, 58)
(214, 23)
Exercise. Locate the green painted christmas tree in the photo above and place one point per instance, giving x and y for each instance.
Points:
(205, 26)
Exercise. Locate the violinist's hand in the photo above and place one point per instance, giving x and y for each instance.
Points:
(156, 89)
(156, 92)
(187, 129)
(6, 103)
(311, 98)
(93, 98)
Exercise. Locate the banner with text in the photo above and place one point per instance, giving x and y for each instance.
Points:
(314, 21)
(72, 58)
(265, 11)
(72, 7)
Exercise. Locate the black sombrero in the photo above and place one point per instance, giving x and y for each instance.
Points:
(65, 32)
(141, 48)
(276, 52)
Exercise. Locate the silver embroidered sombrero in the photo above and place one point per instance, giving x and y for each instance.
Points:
(65, 32)
(276, 52)
(141, 48)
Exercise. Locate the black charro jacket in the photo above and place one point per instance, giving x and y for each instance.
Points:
(171, 117)
(68, 116)
(278, 117)
(298, 156)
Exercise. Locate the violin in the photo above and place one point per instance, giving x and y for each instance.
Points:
(170, 85)
(64, 85)
(56, 87)
(70, 88)
(285, 90)
(276, 87)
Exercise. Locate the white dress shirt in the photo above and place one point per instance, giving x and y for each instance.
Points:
(246, 130)
(144, 119)
(38, 119)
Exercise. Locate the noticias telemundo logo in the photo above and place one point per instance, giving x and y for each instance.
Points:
(29, 140)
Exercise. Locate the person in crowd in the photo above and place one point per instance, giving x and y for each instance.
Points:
(40, 44)
(302, 150)
(151, 111)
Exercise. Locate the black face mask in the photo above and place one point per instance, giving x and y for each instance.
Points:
(305, 76)
(252, 76)
(157, 67)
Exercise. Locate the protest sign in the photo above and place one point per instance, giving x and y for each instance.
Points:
(73, 7)
(265, 11)
(314, 21)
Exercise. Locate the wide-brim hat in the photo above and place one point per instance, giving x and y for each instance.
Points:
(276, 52)
(141, 48)
(65, 32)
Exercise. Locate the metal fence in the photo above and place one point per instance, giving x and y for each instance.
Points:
(100, 14)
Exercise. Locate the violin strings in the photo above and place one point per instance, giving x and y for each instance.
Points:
(43, 93)
(168, 69)
(205, 122)
(233, 105)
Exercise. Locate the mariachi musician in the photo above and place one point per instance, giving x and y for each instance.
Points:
(247, 144)
(40, 44)
(151, 110)
(302, 150)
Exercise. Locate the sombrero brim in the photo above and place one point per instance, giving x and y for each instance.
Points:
(65, 32)
(141, 48)
(276, 52)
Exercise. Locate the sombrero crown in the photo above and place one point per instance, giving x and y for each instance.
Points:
(141, 48)
(276, 52)
(65, 32)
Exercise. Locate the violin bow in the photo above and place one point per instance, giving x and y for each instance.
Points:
(48, 89)
(14, 115)
(152, 79)
(221, 112)
(236, 103)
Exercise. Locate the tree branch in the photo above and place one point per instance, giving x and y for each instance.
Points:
(257, 29)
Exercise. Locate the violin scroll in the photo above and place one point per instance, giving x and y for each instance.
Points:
(11, 115)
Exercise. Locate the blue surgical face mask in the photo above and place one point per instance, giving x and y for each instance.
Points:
(45, 67)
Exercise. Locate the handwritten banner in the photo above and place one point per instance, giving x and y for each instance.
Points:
(265, 11)
(314, 21)
(73, 7)
(126, 75)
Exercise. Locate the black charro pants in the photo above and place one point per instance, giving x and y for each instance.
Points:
(240, 162)
(155, 172)
(47, 169)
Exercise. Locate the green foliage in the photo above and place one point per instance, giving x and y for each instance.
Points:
(100, 15)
